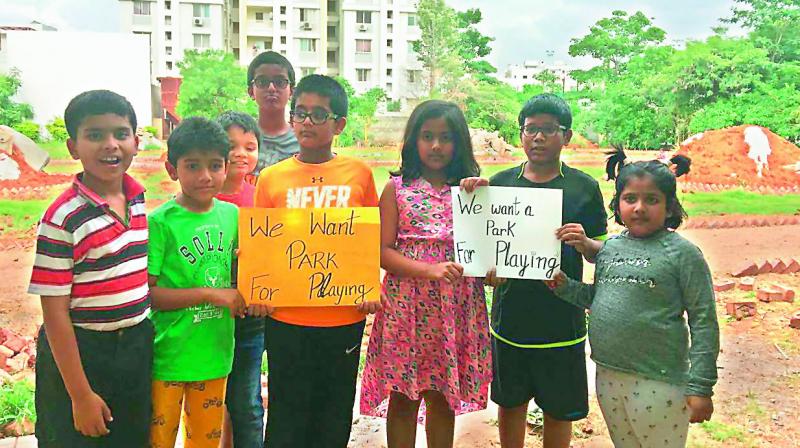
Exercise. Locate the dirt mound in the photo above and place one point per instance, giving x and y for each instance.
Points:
(578, 141)
(28, 177)
(723, 157)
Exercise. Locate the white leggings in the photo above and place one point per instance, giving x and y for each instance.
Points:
(642, 413)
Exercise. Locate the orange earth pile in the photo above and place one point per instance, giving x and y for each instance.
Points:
(29, 177)
(720, 157)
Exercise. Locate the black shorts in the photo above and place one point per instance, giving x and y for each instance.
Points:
(312, 384)
(554, 377)
(118, 366)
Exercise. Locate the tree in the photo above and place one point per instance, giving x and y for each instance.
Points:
(613, 41)
(773, 25)
(549, 80)
(213, 82)
(361, 112)
(11, 112)
(472, 44)
(438, 45)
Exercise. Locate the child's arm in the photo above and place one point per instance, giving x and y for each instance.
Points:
(572, 291)
(395, 262)
(573, 235)
(698, 299)
(469, 184)
(166, 299)
(89, 412)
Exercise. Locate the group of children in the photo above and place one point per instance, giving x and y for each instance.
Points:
(143, 326)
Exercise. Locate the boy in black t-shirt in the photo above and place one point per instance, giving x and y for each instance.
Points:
(538, 343)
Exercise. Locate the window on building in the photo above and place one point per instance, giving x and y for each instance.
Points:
(283, 10)
(201, 10)
(141, 8)
(202, 40)
(363, 46)
(389, 72)
(389, 43)
(235, 4)
(412, 20)
(168, 51)
(167, 20)
(389, 86)
(309, 45)
(305, 15)
(168, 5)
(389, 14)
(305, 71)
(389, 28)
(363, 74)
(283, 40)
(331, 57)
(331, 31)
(389, 58)
(363, 17)
(331, 5)
(169, 65)
(168, 35)
(411, 49)
(236, 27)
(412, 75)
(259, 17)
(283, 24)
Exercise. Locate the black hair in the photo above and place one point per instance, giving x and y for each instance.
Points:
(547, 103)
(197, 134)
(242, 120)
(664, 181)
(682, 164)
(270, 57)
(463, 163)
(96, 102)
(324, 86)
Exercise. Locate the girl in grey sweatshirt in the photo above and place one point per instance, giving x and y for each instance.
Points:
(654, 374)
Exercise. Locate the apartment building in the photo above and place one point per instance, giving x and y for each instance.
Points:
(174, 26)
(368, 42)
(520, 75)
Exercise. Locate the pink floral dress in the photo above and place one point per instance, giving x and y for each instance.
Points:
(431, 336)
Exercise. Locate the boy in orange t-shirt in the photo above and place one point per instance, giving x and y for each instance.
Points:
(313, 353)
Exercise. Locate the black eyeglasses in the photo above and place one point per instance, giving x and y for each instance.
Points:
(262, 82)
(318, 115)
(546, 130)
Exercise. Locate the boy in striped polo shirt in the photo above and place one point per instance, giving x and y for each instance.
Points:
(93, 369)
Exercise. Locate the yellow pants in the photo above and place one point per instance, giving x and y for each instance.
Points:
(201, 403)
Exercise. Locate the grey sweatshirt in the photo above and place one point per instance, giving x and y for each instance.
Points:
(642, 289)
(275, 149)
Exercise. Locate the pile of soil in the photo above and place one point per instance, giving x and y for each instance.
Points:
(720, 157)
(578, 141)
(29, 177)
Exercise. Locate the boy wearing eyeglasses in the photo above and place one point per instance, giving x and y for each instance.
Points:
(270, 80)
(313, 353)
(538, 342)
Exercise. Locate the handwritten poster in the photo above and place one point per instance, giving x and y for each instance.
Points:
(512, 229)
(309, 257)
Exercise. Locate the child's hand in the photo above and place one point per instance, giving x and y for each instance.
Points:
(573, 235)
(228, 298)
(700, 408)
(369, 307)
(469, 184)
(492, 279)
(90, 414)
(557, 280)
(447, 271)
(260, 310)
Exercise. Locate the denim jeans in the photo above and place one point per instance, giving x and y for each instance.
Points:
(243, 397)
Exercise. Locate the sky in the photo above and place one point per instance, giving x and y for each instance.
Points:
(523, 29)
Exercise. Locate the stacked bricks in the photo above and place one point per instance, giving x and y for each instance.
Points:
(775, 266)
(16, 352)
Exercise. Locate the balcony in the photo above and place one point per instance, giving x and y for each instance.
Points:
(141, 20)
(364, 58)
(260, 28)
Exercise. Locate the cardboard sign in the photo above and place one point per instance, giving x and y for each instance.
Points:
(512, 229)
(309, 257)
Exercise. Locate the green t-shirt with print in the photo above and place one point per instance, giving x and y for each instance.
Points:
(192, 250)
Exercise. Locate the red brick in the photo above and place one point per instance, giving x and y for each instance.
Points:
(13, 341)
(777, 266)
(787, 293)
(747, 269)
(724, 285)
(16, 364)
(763, 267)
(5, 351)
(767, 294)
(738, 310)
(794, 321)
(747, 283)
(792, 266)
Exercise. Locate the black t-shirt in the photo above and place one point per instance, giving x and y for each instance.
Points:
(526, 312)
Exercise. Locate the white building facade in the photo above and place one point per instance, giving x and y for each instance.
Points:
(520, 75)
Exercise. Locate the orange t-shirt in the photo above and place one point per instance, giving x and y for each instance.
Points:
(340, 182)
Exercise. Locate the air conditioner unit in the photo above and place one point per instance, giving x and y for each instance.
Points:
(305, 26)
(198, 21)
(362, 27)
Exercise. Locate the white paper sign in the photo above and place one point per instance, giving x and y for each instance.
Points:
(513, 229)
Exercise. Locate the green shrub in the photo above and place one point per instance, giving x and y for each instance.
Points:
(16, 402)
(30, 130)
(393, 106)
(152, 130)
(57, 130)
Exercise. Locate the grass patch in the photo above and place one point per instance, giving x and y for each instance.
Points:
(57, 150)
(22, 215)
(722, 432)
(16, 402)
(739, 202)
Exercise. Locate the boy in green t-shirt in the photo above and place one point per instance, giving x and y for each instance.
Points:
(190, 258)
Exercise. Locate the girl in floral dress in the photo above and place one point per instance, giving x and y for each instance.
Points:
(431, 340)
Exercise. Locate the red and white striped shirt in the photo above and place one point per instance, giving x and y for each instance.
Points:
(88, 253)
